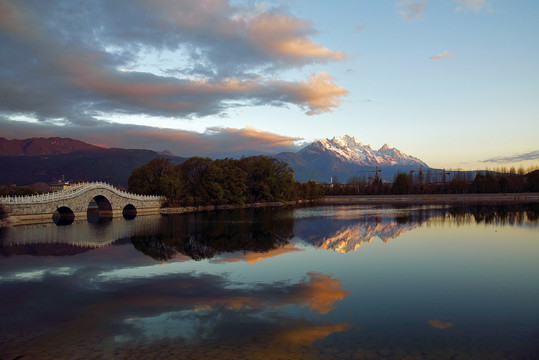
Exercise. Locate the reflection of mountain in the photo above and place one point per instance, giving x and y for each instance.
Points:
(346, 228)
(351, 238)
(204, 235)
(348, 235)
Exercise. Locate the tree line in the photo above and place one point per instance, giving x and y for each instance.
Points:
(202, 181)
(450, 183)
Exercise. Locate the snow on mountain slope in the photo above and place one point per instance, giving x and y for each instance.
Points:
(351, 150)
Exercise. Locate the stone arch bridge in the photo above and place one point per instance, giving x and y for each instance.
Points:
(80, 201)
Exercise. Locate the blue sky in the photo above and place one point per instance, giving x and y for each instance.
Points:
(453, 82)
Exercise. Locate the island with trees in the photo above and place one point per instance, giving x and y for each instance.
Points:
(201, 181)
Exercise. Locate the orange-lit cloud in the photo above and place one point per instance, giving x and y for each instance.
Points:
(306, 335)
(319, 294)
(319, 93)
(442, 55)
(254, 257)
(440, 324)
(283, 35)
(230, 56)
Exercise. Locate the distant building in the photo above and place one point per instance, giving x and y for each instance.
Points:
(59, 185)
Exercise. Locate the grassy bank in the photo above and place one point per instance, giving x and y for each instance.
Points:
(188, 209)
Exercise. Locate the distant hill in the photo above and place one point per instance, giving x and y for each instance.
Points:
(44, 160)
(43, 146)
(344, 157)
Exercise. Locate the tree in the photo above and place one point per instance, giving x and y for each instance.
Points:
(150, 178)
(478, 184)
(401, 185)
(532, 181)
(233, 181)
(267, 178)
(201, 179)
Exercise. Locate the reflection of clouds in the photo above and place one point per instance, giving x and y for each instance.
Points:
(187, 308)
(306, 335)
(254, 257)
(319, 294)
(440, 324)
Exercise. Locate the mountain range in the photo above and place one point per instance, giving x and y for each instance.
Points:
(343, 157)
(47, 159)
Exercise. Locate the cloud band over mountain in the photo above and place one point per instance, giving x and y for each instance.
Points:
(214, 142)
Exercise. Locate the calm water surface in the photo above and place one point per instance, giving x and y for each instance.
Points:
(339, 282)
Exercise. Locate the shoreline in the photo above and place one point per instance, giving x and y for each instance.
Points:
(432, 198)
(191, 209)
(505, 198)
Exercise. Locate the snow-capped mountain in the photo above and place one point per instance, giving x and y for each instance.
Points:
(345, 157)
(352, 150)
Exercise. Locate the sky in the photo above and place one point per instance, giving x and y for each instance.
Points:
(452, 82)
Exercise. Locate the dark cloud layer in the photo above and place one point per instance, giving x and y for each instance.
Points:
(532, 155)
(71, 62)
(215, 142)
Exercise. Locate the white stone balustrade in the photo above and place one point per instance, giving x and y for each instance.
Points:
(71, 192)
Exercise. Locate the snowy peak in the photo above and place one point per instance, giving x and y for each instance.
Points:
(351, 150)
(346, 141)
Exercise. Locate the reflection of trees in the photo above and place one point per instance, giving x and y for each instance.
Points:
(501, 214)
(203, 235)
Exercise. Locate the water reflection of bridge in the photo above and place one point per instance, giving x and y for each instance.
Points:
(81, 233)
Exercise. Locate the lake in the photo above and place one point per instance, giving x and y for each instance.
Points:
(327, 282)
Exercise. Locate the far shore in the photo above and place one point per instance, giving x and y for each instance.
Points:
(432, 198)
(372, 199)
(189, 209)
(506, 198)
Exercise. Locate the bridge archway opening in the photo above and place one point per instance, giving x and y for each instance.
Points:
(63, 216)
(129, 212)
(99, 210)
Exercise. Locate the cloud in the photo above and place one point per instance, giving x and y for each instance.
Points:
(306, 335)
(529, 156)
(412, 10)
(471, 5)
(254, 257)
(73, 62)
(442, 55)
(214, 142)
(440, 324)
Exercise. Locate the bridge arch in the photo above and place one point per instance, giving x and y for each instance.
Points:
(129, 212)
(63, 216)
(99, 209)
